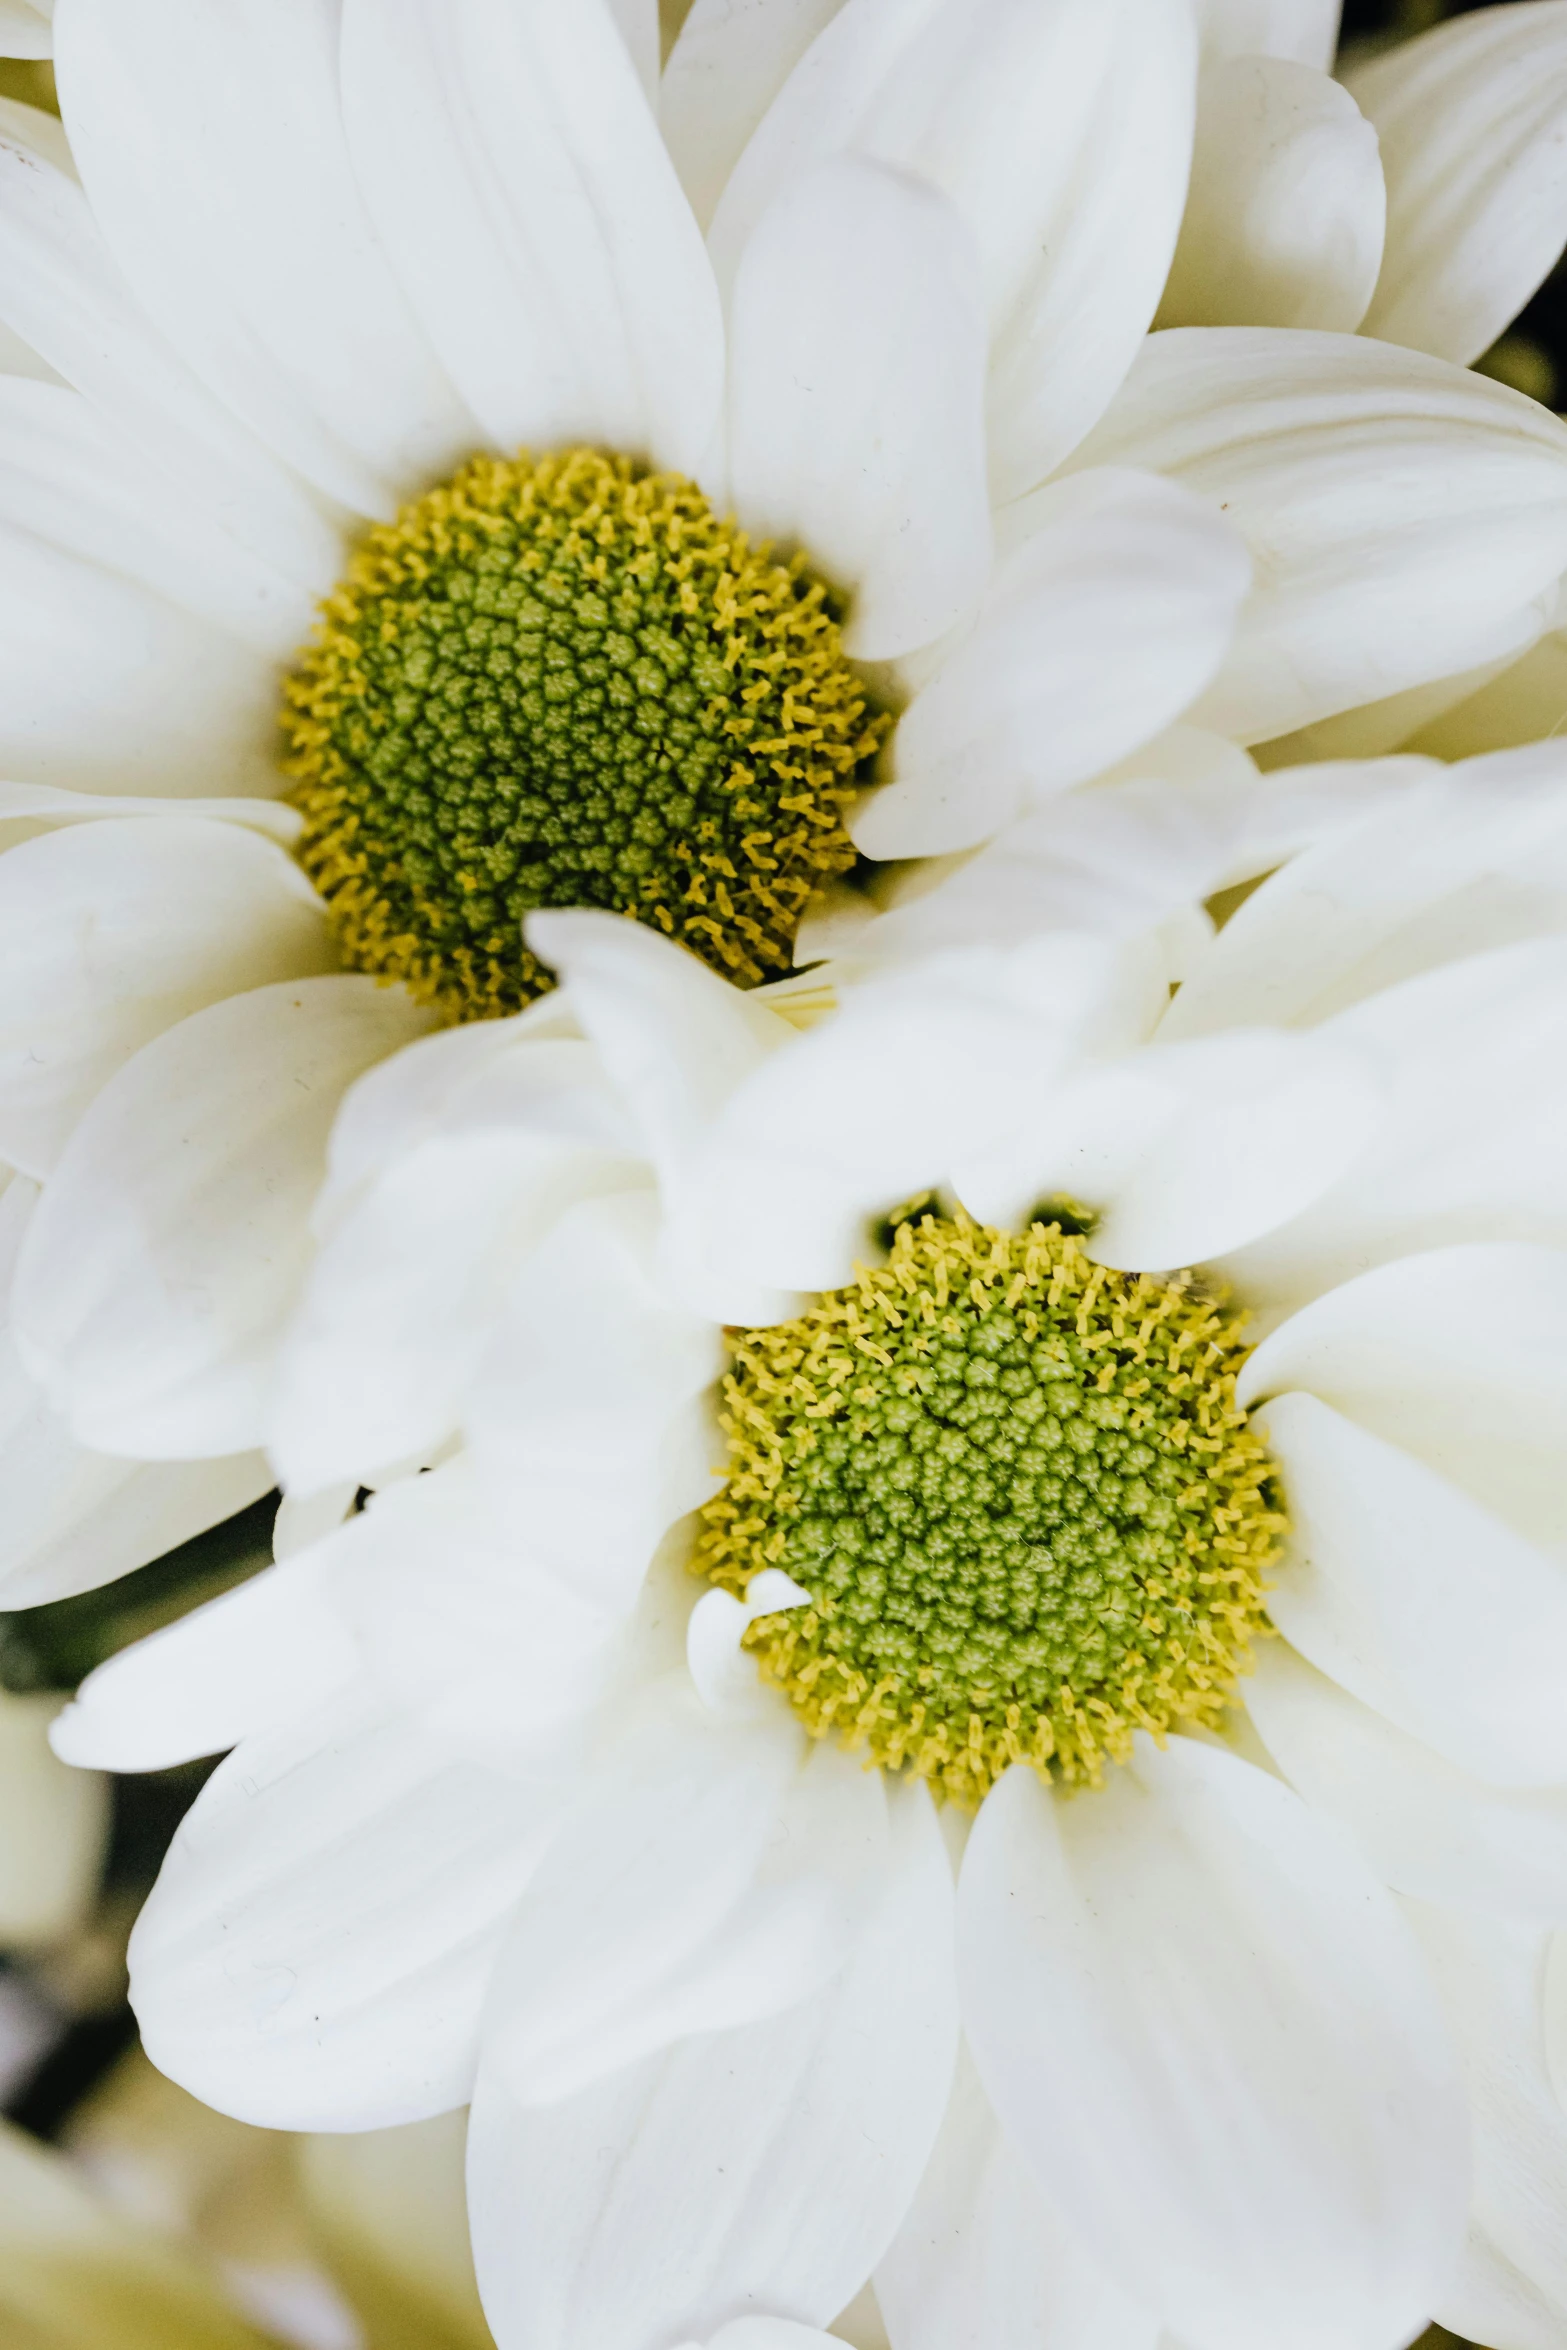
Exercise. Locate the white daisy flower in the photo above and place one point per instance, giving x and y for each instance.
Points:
(293, 295)
(1226, 1600)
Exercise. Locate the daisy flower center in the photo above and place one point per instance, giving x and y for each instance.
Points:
(1018, 1488)
(565, 681)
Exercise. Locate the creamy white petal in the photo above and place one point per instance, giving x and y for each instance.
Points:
(1472, 120)
(1112, 611)
(1286, 209)
(1455, 1356)
(1062, 135)
(984, 2257)
(68, 476)
(1426, 1826)
(1306, 30)
(1401, 721)
(315, 1952)
(1423, 1604)
(38, 805)
(729, 62)
(411, 1275)
(210, 141)
(1206, 2027)
(110, 933)
(1186, 1150)
(588, 1416)
(713, 1872)
(1523, 702)
(24, 30)
(1403, 512)
(512, 165)
(33, 127)
(1291, 809)
(254, 1656)
(166, 1253)
(63, 291)
(1486, 1032)
(54, 1830)
(856, 399)
(105, 686)
(1511, 2282)
(637, 22)
(763, 2169)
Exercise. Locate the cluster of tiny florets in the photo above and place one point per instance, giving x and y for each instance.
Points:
(568, 683)
(1022, 1497)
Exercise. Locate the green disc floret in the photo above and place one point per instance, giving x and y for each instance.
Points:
(567, 682)
(1018, 1488)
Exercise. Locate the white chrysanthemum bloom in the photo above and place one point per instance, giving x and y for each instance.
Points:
(311, 267)
(1011, 1510)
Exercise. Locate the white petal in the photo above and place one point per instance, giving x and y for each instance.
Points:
(676, 1039)
(1485, 1033)
(637, 22)
(762, 2169)
(512, 165)
(1111, 613)
(54, 1827)
(1203, 2022)
(211, 145)
(1285, 213)
(106, 686)
(1511, 2284)
(1403, 512)
(1471, 120)
(61, 289)
(258, 1654)
(1306, 30)
(1420, 1602)
(725, 1678)
(856, 399)
(24, 30)
(411, 1275)
(68, 475)
(167, 1250)
(1187, 1150)
(588, 1417)
(713, 1872)
(984, 2257)
(315, 1952)
(110, 933)
(1426, 1827)
(1523, 702)
(1456, 1357)
(40, 805)
(1062, 135)
(726, 67)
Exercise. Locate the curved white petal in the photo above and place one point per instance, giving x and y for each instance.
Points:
(68, 476)
(1204, 2024)
(106, 686)
(41, 805)
(1455, 1356)
(724, 71)
(856, 399)
(1427, 1827)
(1306, 30)
(984, 2257)
(315, 1952)
(210, 141)
(512, 166)
(1523, 702)
(24, 30)
(713, 1872)
(1485, 1033)
(1493, 1979)
(61, 289)
(410, 1276)
(1472, 120)
(588, 1416)
(1286, 209)
(1403, 513)
(762, 2168)
(1420, 1602)
(1438, 867)
(110, 933)
(1110, 614)
(156, 1275)
(1061, 134)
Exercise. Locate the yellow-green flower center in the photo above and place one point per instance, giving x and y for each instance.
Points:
(1018, 1488)
(566, 682)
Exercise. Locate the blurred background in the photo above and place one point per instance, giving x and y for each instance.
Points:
(132, 2218)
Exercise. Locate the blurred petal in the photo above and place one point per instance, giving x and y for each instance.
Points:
(54, 1829)
(724, 71)
(1306, 30)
